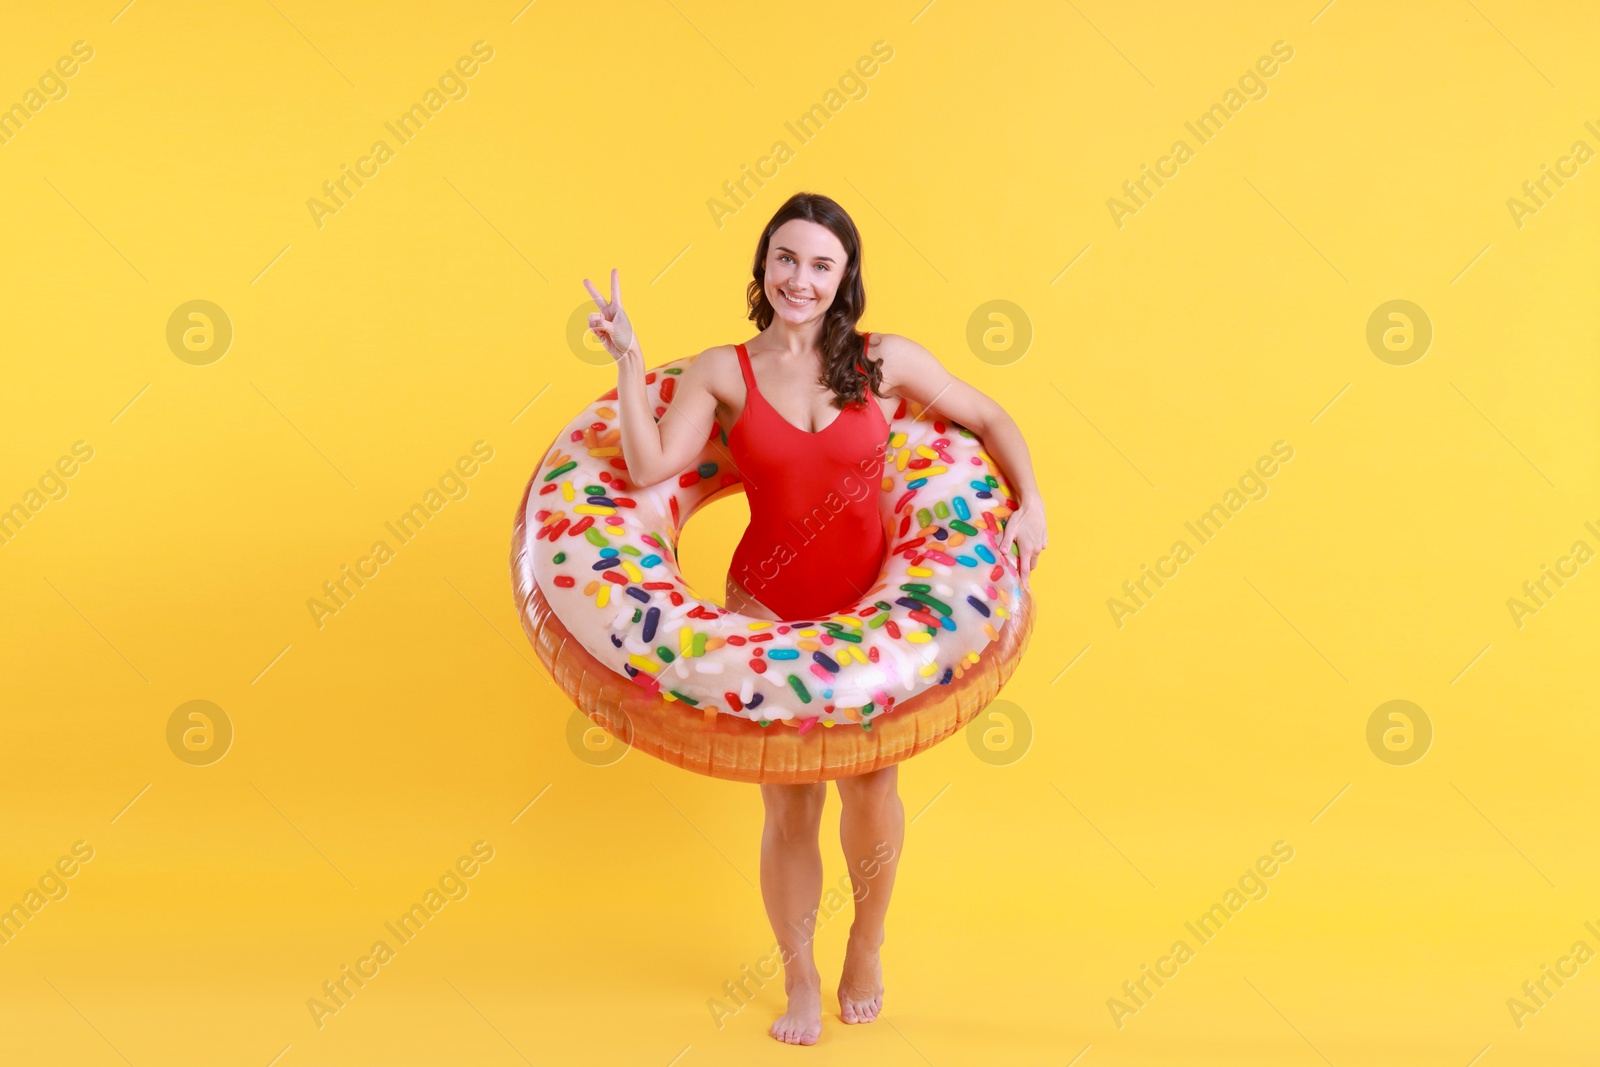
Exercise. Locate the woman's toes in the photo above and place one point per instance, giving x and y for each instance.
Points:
(801, 1024)
(861, 987)
(858, 1011)
(793, 1032)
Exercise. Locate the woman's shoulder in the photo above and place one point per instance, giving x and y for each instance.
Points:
(881, 345)
(901, 356)
(715, 362)
(716, 371)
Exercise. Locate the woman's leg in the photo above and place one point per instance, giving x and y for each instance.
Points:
(872, 830)
(791, 886)
(791, 877)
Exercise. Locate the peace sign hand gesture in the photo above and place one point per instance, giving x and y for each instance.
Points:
(610, 323)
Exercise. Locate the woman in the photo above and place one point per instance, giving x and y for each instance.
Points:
(806, 404)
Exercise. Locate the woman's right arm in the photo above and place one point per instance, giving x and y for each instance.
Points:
(653, 450)
(656, 450)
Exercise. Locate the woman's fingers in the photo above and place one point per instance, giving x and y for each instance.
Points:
(612, 306)
(611, 323)
(594, 293)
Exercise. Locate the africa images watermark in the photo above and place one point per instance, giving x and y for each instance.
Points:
(52, 87)
(52, 886)
(1252, 885)
(1251, 86)
(1579, 154)
(452, 85)
(452, 485)
(1536, 992)
(52, 485)
(337, 992)
(1536, 592)
(1252, 486)
(852, 86)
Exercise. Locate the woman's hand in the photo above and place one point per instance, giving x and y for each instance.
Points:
(610, 323)
(655, 445)
(1026, 529)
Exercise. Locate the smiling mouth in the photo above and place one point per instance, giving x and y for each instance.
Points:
(794, 303)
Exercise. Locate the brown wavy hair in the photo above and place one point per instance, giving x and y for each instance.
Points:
(846, 368)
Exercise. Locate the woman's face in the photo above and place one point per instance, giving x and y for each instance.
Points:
(804, 264)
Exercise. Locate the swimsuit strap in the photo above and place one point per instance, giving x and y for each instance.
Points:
(744, 368)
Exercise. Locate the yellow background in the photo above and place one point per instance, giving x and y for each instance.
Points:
(1227, 314)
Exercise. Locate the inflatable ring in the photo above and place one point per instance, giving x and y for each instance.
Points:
(598, 589)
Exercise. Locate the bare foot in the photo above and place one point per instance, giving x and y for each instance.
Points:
(860, 984)
(802, 1023)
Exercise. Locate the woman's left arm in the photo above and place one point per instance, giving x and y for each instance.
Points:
(911, 371)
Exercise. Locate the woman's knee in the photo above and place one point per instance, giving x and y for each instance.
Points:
(873, 789)
(795, 809)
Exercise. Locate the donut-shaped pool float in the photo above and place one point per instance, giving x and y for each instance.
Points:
(595, 572)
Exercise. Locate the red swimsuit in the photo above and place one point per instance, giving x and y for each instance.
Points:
(815, 543)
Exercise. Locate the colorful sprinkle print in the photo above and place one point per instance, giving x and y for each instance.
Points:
(604, 554)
